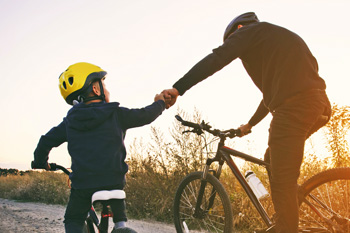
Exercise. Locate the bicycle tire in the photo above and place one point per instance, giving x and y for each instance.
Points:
(219, 218)
(332, 188)
(88, 226)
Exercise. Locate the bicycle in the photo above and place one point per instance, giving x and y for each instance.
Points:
(202, 204)
(92, 222)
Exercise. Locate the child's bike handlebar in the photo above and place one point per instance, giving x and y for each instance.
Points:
(53, 167)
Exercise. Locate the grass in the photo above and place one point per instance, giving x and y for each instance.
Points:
(45, 187)
(150, 191)
(155, 171)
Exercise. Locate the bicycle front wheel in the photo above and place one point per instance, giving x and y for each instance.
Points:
(214, 213)
(325, 202)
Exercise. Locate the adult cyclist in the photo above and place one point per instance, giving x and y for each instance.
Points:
(281, 65)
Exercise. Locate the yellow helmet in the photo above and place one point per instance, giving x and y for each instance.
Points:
(75, 80)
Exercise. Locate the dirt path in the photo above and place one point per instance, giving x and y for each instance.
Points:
(18, 217)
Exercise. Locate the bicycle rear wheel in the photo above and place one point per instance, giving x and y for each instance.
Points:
(325, 202)
(215, 212)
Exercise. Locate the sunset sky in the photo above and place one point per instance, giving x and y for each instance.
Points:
(145, 46)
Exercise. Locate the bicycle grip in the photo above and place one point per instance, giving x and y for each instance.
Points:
(187, 123)
(35, 166)
(239, 132)
(52, 165)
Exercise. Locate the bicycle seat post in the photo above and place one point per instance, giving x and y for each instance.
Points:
(104, 196)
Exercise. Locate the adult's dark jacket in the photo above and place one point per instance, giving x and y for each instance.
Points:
(278, 61)
(95, 134)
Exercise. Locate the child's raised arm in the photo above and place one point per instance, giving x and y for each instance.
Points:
(161, 96)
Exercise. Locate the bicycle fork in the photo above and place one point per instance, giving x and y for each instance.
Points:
(199, 213)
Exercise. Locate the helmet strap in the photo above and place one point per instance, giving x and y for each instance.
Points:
(86, 98)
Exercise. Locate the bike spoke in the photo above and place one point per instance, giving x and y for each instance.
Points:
(210, 219)
(331, 202)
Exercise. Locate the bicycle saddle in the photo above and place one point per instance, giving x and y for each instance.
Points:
(104, 195)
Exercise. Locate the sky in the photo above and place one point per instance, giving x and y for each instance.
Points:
(146, 46)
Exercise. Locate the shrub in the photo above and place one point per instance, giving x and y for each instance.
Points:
(46, 187)
(157, 168)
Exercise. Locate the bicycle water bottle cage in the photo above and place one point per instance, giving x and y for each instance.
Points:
(105, 195)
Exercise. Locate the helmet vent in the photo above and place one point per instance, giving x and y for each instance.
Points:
(64, 85)
(71, 80)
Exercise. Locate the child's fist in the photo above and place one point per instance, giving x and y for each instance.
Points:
(159, 97)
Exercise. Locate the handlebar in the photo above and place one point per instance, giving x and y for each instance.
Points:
(199, 128)
(53, 167)
(187, 123)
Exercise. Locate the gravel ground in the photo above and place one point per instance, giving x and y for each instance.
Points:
(18, 217)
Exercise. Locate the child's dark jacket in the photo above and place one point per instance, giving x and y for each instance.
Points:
(95, 134)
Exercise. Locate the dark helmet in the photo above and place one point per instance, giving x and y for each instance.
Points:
(243, 19)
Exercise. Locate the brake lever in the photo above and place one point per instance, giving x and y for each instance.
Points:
(187, 131)
(237, 132)
(234, 132)
(196, 131)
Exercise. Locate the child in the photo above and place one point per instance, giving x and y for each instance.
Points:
(95, 130)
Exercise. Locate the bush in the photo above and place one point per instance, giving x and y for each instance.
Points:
(6, 172)
(156, 169)
(46, 187)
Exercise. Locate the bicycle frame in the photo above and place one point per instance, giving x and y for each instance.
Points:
(223, 155)
(101, 225)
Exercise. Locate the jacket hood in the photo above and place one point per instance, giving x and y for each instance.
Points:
(84, 117)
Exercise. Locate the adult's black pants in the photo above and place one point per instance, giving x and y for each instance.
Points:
(292, 123)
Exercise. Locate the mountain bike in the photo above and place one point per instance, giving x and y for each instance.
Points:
(92, 222)
(202, 204)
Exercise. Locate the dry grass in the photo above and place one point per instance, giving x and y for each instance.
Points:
(156, 170)
(46, 187)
